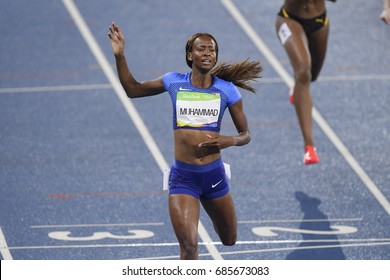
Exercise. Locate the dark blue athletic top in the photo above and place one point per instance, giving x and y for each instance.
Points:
(199, 108)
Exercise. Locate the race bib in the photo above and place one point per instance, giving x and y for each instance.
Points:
(284, 33)
(197, 109)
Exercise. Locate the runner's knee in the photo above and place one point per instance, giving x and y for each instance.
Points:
(188, 250)
(303, 74)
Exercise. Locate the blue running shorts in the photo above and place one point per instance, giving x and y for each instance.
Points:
(207, 181)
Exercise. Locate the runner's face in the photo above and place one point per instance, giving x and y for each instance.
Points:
(203, 54)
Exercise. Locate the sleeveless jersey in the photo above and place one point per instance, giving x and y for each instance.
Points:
(199, 108)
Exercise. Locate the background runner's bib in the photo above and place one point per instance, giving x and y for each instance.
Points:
(197, 109)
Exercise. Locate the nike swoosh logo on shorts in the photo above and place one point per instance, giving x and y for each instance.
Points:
(183, 88)
(214, 185)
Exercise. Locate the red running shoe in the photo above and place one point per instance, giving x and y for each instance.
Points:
(310, 156)
(291, 95)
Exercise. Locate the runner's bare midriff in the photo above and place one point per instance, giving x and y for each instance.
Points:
(187, 149)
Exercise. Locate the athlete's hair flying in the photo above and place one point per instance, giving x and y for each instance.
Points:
(239, 73)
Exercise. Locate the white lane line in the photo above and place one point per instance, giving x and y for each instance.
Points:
(274, 62)
(97, 225)
(130, 108)
(111, 76)
(299, 221)
(4, 249)
(316, 247)
(344, 78)
(264, 80)
(354, 78)
(342, 242)
(56, 88)
(207, 241)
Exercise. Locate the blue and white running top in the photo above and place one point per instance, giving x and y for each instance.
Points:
(199, 108)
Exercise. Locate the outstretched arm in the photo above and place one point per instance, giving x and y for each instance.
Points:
(385, 15)
(132, 87)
